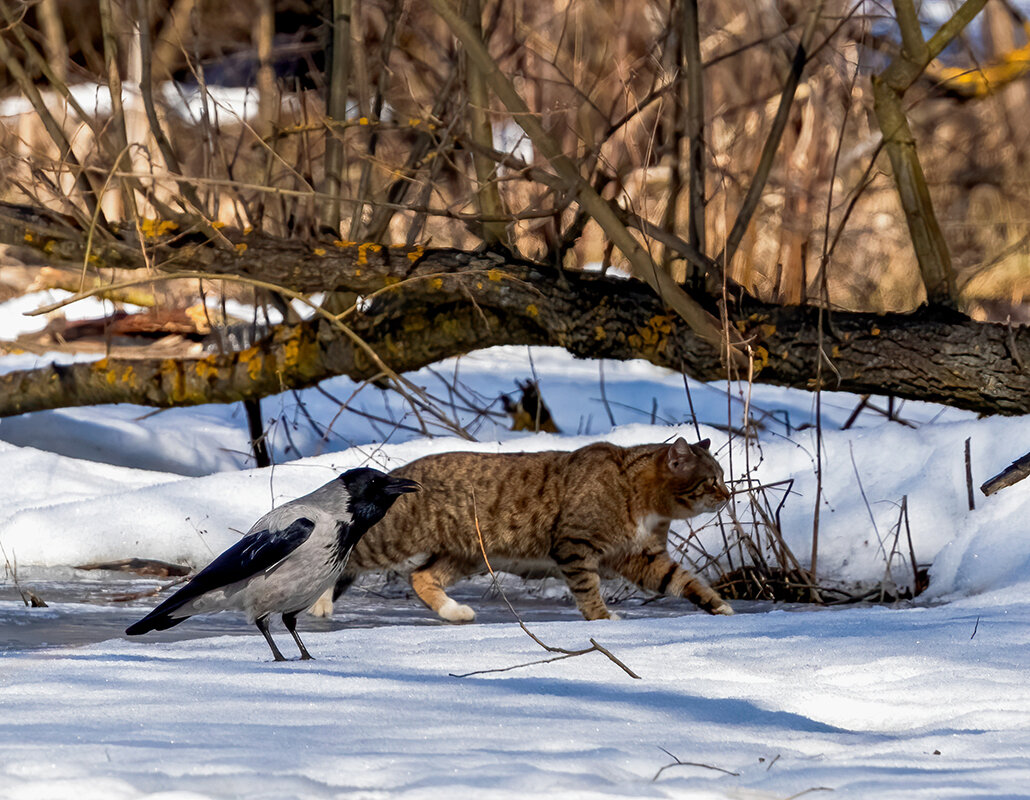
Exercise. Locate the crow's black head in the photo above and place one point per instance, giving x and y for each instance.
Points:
(373, 492)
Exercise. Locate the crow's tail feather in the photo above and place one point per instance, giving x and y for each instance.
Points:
(153, 622)
(161, 618)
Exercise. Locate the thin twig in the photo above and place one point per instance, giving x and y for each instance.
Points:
(865, 499)
(563, 653)
(806, 791)
(678, 763)
(696, 317)
(56, 133)
(604, 395)
(969, 477)
(772, 141)
(186, 187)
(916, 588)
(28, 597)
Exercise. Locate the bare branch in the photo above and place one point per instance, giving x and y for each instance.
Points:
(167, 152)
(1014, 473)
(911, 32)
(56, 133)
(772, 141)
(706, 325)
(481, 131)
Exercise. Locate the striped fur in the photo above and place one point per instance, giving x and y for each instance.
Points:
(599, 509)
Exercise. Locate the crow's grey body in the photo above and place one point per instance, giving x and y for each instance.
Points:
(283, 587)
(287, 559)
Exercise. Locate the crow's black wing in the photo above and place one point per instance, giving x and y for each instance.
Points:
(252, 554)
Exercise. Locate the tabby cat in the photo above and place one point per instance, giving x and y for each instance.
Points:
(601, 508)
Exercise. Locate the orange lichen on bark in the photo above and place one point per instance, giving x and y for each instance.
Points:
(206, 368)
(652, 337)
(252, 359)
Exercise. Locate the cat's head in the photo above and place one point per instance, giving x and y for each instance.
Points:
(693, 479)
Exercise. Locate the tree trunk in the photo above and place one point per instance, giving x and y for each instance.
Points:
(437, 304)
(889, 88)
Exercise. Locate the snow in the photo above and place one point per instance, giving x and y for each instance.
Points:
(13, 322)
(923, 699)
(864, 702)
(229, 104)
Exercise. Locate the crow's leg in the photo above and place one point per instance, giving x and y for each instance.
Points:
(263, 627)
(290, 620)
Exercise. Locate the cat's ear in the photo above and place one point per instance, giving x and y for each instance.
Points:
(705, 444)
(680, 457)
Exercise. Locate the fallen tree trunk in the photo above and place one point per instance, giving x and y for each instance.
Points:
(437, 304)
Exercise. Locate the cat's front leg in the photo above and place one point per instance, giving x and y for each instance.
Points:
(430, 583)
(653, 570)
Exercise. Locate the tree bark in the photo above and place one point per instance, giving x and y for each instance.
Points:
(436, 304)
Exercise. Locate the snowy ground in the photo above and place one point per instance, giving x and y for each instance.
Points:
(867, 702)
(925, 699)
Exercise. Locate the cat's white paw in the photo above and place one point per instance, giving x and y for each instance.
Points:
(323, 606)
(456, 612)
(723, 609)
(614, 615)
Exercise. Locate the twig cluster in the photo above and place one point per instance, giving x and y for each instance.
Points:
(28, 597)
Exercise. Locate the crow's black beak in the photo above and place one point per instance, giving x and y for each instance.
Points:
(401, 486)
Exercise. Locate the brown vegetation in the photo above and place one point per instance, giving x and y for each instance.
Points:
(608, 92)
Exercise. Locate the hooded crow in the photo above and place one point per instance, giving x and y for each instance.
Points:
(290, 556)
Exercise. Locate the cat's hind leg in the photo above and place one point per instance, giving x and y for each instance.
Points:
(653, 570)
(578, 564)
(323, 606)
(430, 583)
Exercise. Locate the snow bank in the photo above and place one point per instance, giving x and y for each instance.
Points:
(867, 470)
(37, 479)
(191, 520)
(124, 513)
(926, 465)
